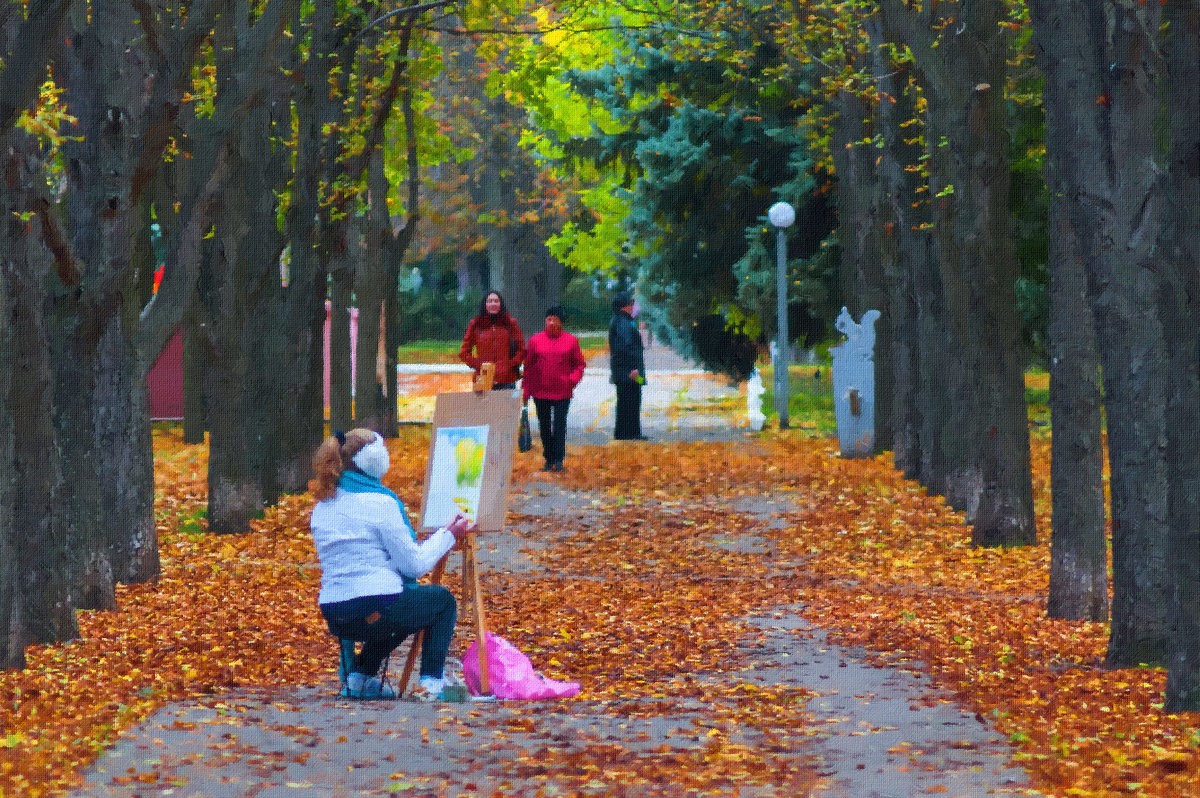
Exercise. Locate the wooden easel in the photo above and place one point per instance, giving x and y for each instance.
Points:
(500, 411)
(471, 590)
(486, 378)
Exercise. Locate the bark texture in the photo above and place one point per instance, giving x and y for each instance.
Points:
(1112, 210)
(1180, 301)
(1078, 547)
(977, 439)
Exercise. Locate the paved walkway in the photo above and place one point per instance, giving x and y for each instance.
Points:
(680, 401)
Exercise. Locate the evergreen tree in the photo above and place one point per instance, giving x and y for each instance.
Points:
(708, 137)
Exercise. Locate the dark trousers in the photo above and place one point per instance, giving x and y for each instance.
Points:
(629, 411)
(430, 608)
(552, 427)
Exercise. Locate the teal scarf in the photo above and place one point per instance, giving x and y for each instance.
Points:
(360, 482)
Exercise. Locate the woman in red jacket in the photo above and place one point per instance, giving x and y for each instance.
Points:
(553, 367)
(494, 337)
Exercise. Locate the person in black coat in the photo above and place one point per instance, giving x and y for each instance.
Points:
(628, 369)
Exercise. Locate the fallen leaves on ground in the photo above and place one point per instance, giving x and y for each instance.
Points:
(639, 602)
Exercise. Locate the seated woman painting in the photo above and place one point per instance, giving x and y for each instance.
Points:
(370, 562)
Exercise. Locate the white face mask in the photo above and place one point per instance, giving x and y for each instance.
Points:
(373, 458)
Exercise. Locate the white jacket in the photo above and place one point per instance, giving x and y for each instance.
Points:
(365, 546)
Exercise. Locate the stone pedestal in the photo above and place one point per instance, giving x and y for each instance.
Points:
(854, 384)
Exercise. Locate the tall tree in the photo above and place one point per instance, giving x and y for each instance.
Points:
(242, 287)
(1180, 303)
(1114, 191)
(907, 255)
(857, 162)
(490, 189)
(123, 99)
(37, 588)
(959, 50)
(35, 558)
(1078, 546)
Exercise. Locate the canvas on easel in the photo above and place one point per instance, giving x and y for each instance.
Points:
(469, 470)
(470, 461)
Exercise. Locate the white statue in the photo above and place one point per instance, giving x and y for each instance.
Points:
(754, 395)
(860, 337)
(854, 384)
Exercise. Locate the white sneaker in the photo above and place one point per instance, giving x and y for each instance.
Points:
(359, 685)
(422, 693)
(428, 689)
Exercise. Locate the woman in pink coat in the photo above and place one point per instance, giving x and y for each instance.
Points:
(553, 367)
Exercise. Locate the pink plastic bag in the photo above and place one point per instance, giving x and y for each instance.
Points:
(510, 673)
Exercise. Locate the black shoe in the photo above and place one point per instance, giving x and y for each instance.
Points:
(548, 467)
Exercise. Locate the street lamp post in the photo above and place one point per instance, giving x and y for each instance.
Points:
(781, 215)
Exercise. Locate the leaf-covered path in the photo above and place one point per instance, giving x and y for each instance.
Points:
(710, 703)
(676, 581)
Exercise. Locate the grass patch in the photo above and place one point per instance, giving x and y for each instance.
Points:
(810, 398)
(1037, 399)
(810, 403)
(429, 352)
(593, 341)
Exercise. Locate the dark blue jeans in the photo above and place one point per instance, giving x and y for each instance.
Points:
(552, 427)
(430, 608)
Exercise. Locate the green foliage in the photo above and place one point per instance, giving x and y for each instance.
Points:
(587, 305)
(724, 347)
(429, 351)
(1029, 203)
(704, 138)
(436, 314)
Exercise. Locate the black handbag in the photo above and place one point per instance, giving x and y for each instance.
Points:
(524, 436)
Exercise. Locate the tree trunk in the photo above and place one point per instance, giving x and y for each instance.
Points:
(24, 368)
(110, 513)
(534, 278)
(948, 357)
(227, 279)
(195, 413)
(244, 308)
(984, 438)
(370, 407)
(38, 569)
(1005, 514)
(904, 251)
(1181, 319)
(39, 606)
(1123, 287)
(1078, 546)
(249, 332)
(289, 355)
(122, 435)
(12, 639)
(1114, 196)
(307, 288)
(47, 543)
